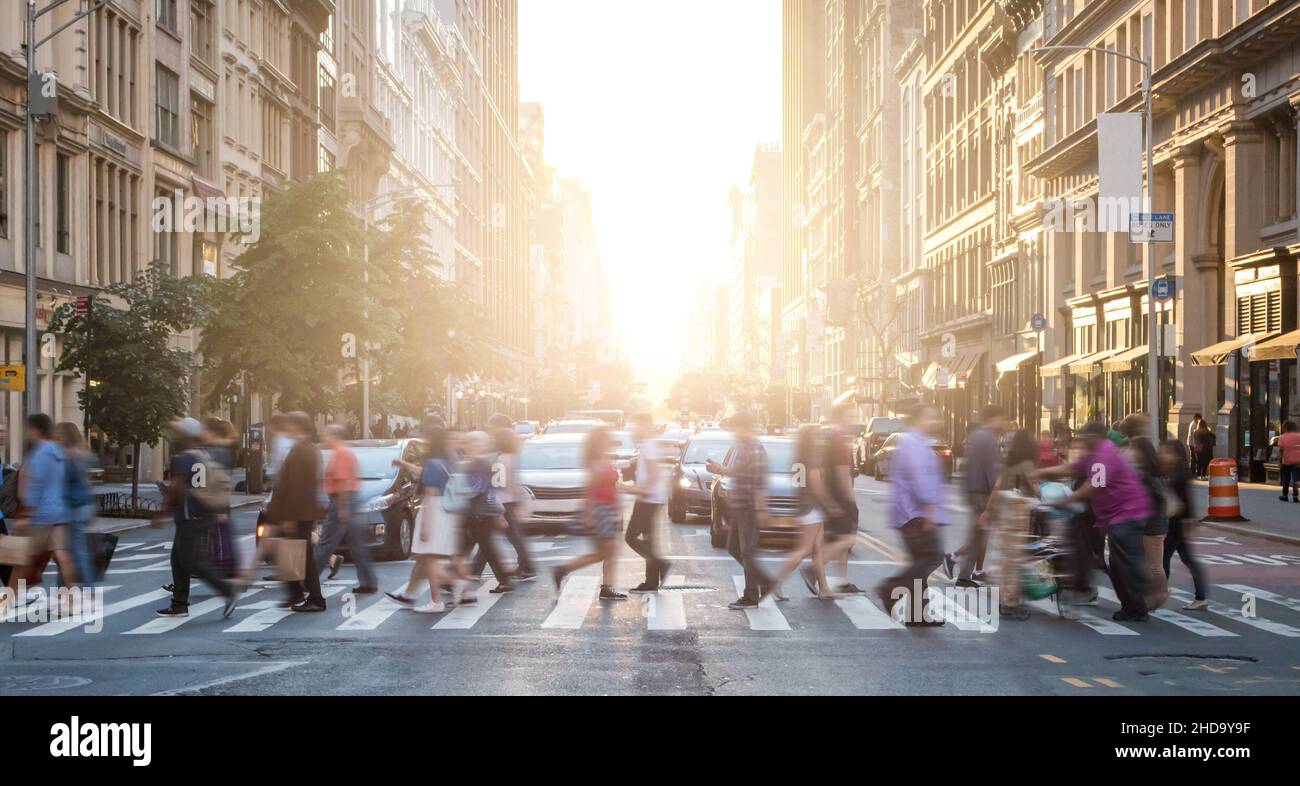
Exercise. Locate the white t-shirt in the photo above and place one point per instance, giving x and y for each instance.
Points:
(651, 453)
(508, 492)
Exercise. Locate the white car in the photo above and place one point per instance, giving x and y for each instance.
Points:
(553, 479)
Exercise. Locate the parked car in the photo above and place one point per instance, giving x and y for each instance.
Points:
(577, 426)
(527, 428)
(690, 487)
(390, 499)
(553, 480)
(782, 494)
(872, 437)
(886, 453)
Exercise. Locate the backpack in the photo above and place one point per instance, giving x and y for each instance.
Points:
(214, 493)
(458, 494)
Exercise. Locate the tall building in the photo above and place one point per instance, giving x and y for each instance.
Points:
(755, 263)
(1227, 107)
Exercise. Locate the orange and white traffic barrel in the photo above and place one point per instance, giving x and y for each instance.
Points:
(1225, 499)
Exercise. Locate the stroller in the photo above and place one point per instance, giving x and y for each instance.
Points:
(1046, 555)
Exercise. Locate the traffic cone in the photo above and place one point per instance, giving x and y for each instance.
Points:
(1225, 500)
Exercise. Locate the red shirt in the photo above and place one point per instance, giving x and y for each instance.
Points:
(1288, 445)
(341, 472)
(604, 486)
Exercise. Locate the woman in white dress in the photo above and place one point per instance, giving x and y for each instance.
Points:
(435, 531)
(814, 506)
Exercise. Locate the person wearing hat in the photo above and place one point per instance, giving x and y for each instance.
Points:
(193, 521)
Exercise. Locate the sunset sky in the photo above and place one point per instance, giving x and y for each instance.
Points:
(656, 108)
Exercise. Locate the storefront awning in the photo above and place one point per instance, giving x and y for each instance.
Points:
(1281, 348)
(1217, 354)
(906, 359)
(1124, 360)
(1053, 369)
(959, 371)
(1007, 365)
(846, 397)
(1084, 364)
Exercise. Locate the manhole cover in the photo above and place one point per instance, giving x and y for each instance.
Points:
(40, 683)
(683, 588)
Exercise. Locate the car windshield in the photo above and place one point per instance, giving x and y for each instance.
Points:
(552, 455)
(375, 463)
(570, 428)
(885, 425)
(699, 451)
(780, 456)
(524, 428)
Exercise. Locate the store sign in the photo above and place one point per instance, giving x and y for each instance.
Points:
(1151, 228)
(13, 378)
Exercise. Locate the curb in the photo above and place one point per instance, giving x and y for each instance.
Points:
(127, 525)
(1290, 540)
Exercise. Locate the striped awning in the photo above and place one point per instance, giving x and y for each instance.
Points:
(846, 397)
(1007, 365)
(1054, 368)
(1281, 348)
(959, 370)
(1124, 360)
(1084, 364)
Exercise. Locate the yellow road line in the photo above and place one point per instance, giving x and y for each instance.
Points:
(1109, 683)
(1076, 682)
(1052, 658)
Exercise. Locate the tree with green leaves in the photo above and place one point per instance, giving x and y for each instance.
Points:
(135, 381)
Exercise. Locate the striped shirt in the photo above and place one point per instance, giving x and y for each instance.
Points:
(750, 476)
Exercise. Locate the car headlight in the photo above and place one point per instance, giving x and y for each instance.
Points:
(684, 483)
(382, 502)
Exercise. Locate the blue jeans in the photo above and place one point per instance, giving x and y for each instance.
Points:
(335, 532)
(80, 545)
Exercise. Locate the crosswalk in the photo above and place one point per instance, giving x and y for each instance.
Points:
(577, 608)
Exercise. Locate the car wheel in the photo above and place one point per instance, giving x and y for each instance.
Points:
(717, 537)
(398, 544)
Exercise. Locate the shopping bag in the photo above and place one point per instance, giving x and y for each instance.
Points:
(290, 559)
(102, 546)
(15, 550)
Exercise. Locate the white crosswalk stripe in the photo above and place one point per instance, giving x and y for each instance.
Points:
(767, 616)
(63, 626)
(1271, 597)
(465, 617)
(1199, 627)
(373, 616)
(666, 610)
(268, 612)
(1103, 626)
(1261, 623)
(865, 615)
(575, 601)
(164, 624)
(956, 614)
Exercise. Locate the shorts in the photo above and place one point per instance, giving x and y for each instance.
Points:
(846, 523)
(46, 537)
(609, 521)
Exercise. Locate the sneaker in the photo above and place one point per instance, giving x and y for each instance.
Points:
(229, 608)
(980, 576)
(174, 611)
(291, 602)
(364, 590)
(398, 597)
(430, 608)
(524, 575)
(967, 583)
(501, 589)
(308, 606)
(949, 565)
(643, 588)
(743, 603)
(1283, 498)
(608, 593)
(1197, 605)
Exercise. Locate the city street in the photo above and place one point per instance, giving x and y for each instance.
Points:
(682, 641)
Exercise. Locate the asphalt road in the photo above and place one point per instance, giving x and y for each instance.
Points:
(682, 641)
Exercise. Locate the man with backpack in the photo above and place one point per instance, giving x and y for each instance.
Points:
(195, 493)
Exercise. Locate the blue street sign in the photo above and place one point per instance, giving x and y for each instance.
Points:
(1162, 289)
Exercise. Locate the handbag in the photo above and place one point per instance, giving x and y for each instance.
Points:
(290, 556)
(102, 546)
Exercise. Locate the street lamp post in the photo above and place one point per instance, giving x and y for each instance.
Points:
(31, 403)
(366, 208)
(1148, 188)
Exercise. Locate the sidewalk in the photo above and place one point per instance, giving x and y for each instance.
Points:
(149, 490)
(1270, 517)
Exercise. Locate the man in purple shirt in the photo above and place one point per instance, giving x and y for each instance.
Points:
(915, 511)
(1121, 506)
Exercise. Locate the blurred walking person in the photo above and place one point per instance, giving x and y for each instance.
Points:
(1121, 506)
(747, 508)
(815, 500)
(1288, 447)
(43, 492)
(193, 520)
(437, 530)
(983, 467)
(505, 484)
(484, 515)
(1145, 459)
(916, 512)
(294, 508)
(1007, 516)
(1182, 520)
(841, 506)
(651, 492)
(219, 443)
(343, 518)
(81, 502)
(602, 515)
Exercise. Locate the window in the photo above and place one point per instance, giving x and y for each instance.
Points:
(62, 204)
(165, 245)
(202, 28)
(325, 162)
(168, 108)
(202, 137)
(166, 12)
(327, 99)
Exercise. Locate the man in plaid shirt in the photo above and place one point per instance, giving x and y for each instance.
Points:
(747, 504)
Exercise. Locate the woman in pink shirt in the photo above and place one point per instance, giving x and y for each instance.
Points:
(1288, 446)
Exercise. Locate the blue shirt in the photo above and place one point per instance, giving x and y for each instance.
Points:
(435, 475)
(983, 461)
(183, 471)
(46, 479)
(917, 481)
